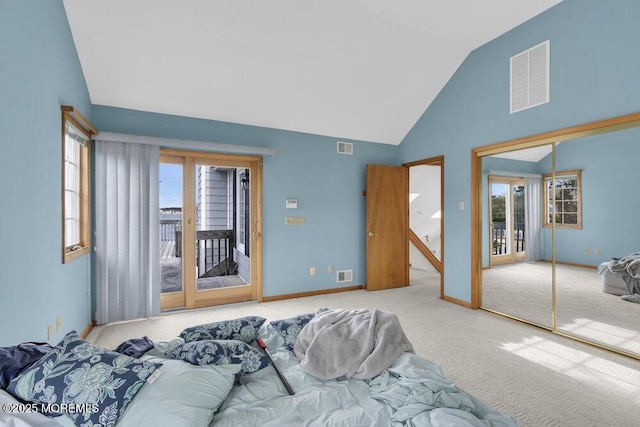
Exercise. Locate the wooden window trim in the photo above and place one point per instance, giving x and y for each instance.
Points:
(72, 116)
(545, 194)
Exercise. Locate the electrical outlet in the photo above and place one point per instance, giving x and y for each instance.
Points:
(49, 331)
(312, 271)
(597, 252)
(294, 220)
(330, 269)
(58, 323)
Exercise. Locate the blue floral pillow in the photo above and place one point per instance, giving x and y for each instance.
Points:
(243, 329)
(221, 352)
(290, 328)
(89, 384)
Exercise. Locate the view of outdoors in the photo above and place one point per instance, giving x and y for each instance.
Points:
(507, 217)
(170, 192)
(222, 206)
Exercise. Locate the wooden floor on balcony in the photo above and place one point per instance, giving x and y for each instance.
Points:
(167, 249)
(171, 272)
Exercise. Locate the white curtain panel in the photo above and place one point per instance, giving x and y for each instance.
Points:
(127, 264)
(532, 219)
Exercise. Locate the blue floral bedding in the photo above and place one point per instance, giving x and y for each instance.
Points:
(195, 386)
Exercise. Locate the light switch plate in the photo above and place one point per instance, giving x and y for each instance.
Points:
(291, 203)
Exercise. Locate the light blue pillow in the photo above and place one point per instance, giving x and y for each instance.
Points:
(220, 352)
(244, 329)
(182, 395)
(86, 376)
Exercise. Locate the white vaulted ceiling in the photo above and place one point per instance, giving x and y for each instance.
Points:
(358, 69)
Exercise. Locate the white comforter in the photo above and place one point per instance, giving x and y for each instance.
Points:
(413, 392)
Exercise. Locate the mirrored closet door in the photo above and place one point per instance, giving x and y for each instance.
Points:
(597, 214)
(516, 277)
(556, 234)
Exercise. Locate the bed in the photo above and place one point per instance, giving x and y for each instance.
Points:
(621, 276)
(612, 284)
(215, 375)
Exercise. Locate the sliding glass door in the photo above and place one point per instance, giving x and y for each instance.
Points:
(171, 202)
(507, 213)
(217, 239)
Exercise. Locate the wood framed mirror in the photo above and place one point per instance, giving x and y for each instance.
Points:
(576, 224)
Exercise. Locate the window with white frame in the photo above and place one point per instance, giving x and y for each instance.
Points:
(75, 184)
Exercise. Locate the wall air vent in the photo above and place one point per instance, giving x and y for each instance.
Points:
(344, 276)
(345, 147)
(530, 77)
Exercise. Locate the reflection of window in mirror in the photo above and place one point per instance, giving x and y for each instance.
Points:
(564, 195)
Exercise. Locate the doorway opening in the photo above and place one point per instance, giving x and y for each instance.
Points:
(426, 219)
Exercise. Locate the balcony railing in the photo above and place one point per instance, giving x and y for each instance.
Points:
(500, 237)
(214, 248)
(214, 252)
(168, 229)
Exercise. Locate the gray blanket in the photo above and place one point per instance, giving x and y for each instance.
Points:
(628, 268)
(356, 343)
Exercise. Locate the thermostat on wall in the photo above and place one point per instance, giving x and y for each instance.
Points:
(291, 203)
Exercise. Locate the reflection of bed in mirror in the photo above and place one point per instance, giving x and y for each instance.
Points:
(613, 285)
(621, 276)
(577, 299)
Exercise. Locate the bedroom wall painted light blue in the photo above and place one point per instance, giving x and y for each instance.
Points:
(39, 71)
(328, 187)
(593, 76)
(610, 206)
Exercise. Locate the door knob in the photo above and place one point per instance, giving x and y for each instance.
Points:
(371, 234)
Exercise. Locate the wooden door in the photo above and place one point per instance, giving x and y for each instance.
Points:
(387, 227)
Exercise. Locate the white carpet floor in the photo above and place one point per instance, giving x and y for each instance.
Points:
(540, 378)
(523, 290)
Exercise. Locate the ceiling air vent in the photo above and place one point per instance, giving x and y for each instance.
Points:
(345, 147)
(344, 276)
(530, 77)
